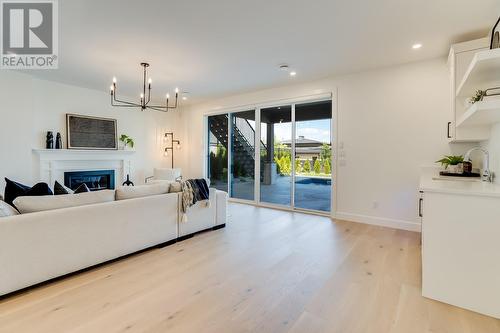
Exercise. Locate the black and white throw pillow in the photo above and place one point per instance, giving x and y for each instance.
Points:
(82, 189)
(60, 189)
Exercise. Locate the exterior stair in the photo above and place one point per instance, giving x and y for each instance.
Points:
(243, 137)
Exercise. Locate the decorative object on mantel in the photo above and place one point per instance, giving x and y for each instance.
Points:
(126, 141)
(144, 101)
(168, 139)
(85, 132)
(128, 182)
(481, 94)
(453, 164)
(495, 36)
(58, 141)
(49, 141)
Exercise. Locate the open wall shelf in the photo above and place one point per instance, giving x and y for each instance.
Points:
(482, 73)
(481, 113)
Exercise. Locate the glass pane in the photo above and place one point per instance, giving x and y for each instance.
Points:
(242, 154)
(217, 151)
(313, 151)
(275, 155)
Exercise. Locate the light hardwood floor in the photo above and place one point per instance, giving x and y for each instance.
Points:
(268, 271)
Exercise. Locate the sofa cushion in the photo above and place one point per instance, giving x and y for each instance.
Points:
(166, 174)
(60, 189)
(7, 210)
(131, 192)
(27, 204)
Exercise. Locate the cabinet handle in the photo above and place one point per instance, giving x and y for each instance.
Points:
(420, 202)
(448, 130)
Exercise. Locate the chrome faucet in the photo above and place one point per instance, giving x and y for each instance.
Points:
(487, 175)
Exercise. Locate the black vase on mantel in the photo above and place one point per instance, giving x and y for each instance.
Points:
(49, 142)
(58, 141)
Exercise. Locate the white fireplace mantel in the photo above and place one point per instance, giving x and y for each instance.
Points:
(53, 163)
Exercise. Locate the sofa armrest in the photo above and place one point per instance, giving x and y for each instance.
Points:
(222, 212)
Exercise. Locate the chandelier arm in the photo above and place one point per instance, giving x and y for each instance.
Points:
(162, 107)
(125, 102)
(120, 101)
(126, 106)
(156, 108)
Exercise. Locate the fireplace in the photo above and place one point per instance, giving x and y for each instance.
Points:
(95, 180)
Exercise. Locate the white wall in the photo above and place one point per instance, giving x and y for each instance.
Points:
(30, 107)
(391, 122)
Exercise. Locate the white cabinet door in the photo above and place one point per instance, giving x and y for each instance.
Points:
(461, 251)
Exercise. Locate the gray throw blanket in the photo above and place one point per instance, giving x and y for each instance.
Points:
(193, 190)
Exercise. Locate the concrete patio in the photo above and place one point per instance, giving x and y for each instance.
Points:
(310, 192)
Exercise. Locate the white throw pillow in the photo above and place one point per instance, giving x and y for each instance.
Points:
(28, 204)
(131, 192)
(166, 174)
(7, 210)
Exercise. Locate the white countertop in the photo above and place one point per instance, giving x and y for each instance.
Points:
(479, 188)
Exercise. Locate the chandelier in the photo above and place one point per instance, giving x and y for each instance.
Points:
(144, 101)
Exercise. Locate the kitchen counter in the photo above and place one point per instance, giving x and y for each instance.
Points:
(460, 247)
(429, 183)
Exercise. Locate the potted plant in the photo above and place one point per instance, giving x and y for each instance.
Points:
(478, 97)
(126, 141)
(452, 164)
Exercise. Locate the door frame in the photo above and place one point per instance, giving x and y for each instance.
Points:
(274, 103)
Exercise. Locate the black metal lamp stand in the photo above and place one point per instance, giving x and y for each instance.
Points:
(171, 146)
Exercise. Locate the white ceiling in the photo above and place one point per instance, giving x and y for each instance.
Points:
(220, 47)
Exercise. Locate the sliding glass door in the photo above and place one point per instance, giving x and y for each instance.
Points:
(218, 152)
(276, 155)
(283, 159)
(313, 155)
(242, 155)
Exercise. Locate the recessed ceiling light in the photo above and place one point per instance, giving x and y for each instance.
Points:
(284, 67)
(184, 98)
(416, 46)
(293, 73)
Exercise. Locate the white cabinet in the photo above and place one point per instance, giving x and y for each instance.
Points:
(459, 59)
(461, 247)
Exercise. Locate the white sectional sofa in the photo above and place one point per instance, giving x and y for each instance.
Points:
(40, 246)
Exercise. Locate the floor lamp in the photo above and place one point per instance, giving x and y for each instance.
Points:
(169, 140)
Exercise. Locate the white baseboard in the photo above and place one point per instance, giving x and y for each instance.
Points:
(380, 221)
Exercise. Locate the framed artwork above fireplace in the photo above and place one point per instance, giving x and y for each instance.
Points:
(86, 132)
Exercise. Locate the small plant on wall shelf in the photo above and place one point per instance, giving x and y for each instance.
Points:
(478, 97)
(127, 141)
(450, 160)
